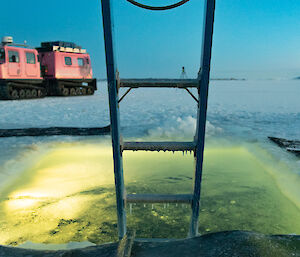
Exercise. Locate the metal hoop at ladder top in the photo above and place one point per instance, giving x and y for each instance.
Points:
(158, 8)
(203, 82)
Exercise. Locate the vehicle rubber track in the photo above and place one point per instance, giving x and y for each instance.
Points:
(20, 91)
(74, 89)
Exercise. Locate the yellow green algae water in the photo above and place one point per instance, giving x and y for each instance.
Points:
(66, 193)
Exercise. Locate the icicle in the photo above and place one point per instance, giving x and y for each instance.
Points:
(152, 206)
(130, 208)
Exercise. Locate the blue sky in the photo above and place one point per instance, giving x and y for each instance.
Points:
(253, 38)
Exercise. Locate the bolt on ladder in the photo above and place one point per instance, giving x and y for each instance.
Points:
(114, 83)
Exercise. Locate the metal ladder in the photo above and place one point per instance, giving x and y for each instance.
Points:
(197, 146)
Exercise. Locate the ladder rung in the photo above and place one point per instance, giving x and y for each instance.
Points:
(150, 198)
(174, 83)
(159, 146)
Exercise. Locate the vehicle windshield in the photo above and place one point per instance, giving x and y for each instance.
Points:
(2, 55)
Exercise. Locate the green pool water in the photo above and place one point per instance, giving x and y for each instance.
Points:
(67, 194)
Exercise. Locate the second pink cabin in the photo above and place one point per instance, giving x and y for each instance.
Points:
(66, 67)
(62, 65)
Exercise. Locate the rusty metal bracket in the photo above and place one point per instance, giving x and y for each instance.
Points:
(118, 80)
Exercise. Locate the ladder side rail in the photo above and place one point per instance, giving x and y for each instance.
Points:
(202, 110)
(114, 114)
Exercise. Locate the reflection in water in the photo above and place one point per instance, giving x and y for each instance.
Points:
(68, 195)
(22, 203)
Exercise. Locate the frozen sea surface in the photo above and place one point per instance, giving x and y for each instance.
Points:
(255, 107)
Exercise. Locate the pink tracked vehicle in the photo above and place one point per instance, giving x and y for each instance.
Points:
(20, 75)
(54, 69)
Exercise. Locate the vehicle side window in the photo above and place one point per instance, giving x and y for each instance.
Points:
(80, 61)
(68, 61)
(30, 57)
(2, 55)
(13, 56)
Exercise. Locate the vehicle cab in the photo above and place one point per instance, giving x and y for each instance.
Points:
(18, 61)
(64, 60)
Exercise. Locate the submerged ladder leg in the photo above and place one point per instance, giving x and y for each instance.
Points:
(202, 110)
(114, 114)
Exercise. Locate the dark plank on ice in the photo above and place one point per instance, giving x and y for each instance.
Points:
(54, 131)
(290, 145)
